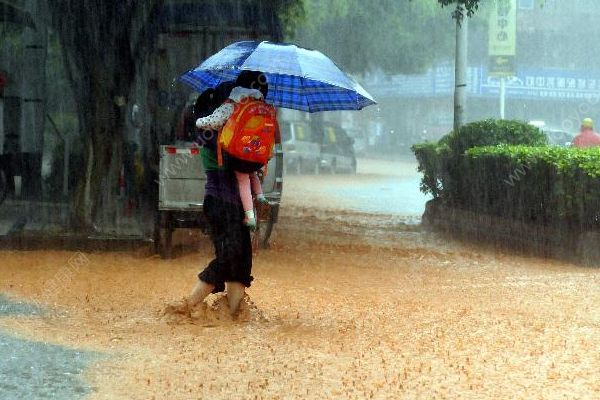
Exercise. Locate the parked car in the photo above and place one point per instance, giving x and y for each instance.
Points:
(360, 140)
(337, 150)
(559, 138)
(300, 149)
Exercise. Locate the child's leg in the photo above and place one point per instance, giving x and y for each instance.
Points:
(245, 190)
(255, 183)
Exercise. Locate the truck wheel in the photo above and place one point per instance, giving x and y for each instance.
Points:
(166, 250)
(156, 247)
(266, 231)
(353, 167)
(260, 237)
(317, 170)
(3, 185)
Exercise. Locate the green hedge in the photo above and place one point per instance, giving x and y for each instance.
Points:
(506, 169)
(546, 185)
(442, 163)
(491, 132)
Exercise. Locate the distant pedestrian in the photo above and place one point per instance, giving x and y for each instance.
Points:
(587, 136)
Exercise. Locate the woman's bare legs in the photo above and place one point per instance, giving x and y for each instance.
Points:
(199, 293)
(235, 294)
(185, 306)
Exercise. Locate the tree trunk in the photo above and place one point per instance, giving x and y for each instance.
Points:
(97, 193)
(101, 107)
(102, 42)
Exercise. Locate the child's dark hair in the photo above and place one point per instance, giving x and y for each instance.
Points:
(205, 104)
(211, 99)
(253, 80)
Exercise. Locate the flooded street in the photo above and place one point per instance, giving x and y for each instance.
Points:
(379, 187)
(346, 304)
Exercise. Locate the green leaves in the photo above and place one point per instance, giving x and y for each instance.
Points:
(451, 167)
(548, 185)
(396, 36)
(563, 159)
(470, 6)
(442, 162)
(492, 132)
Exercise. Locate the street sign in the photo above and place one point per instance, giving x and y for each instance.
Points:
(526, 83)
(526, 4)
(503, 38)
(502, 66)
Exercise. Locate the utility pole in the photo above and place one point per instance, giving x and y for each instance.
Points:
(502, 97)
(33, 111)
(460, 73)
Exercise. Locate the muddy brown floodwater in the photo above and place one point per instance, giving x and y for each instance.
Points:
(346, 305)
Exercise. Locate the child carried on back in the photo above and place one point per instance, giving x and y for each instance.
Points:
(247, 127)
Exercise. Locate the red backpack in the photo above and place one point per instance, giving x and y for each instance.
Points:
(249, 134)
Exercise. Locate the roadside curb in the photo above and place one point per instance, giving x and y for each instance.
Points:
(72, 242)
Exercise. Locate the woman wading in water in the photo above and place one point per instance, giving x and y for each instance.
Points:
(231, 268)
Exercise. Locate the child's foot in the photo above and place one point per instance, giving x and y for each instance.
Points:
(250, 223)
(262, 199)
(250, 220)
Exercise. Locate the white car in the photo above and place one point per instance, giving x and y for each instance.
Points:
(301, 152)
(337, 151)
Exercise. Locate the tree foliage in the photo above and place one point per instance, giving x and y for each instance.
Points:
(105, 46)
(396, 36)
(470, 6)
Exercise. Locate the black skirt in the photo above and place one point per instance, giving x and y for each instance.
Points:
(233, 246)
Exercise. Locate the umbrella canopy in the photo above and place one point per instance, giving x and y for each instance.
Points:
(298, 78)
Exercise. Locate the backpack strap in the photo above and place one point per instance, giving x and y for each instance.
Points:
(219, 146)
(219, 151)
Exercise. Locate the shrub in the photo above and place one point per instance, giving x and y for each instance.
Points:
(550, 186)
(442, 163)
(432, 158)
(491, 132)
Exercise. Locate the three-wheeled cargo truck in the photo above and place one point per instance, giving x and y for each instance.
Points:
(181, 192)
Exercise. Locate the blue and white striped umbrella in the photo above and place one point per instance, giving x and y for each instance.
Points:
(298, 78)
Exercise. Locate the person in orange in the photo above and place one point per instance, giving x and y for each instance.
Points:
(587, 137)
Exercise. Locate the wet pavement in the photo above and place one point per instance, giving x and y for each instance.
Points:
(38, 370)
(393, 195)
(346, 305)
(379, 187)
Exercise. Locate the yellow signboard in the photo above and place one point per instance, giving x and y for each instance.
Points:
(503, 28)
(503, 37)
